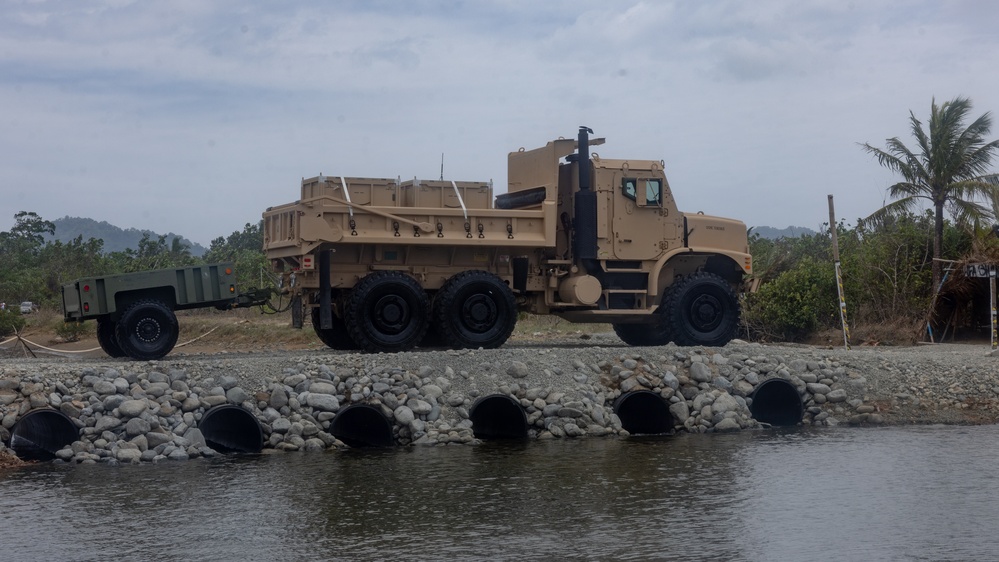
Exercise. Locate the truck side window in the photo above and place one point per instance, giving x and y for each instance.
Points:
(628, 187)
(653, 192)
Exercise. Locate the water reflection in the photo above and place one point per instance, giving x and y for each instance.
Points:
(896, 493)
(922, 493)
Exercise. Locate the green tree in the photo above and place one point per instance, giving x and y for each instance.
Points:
(947, 169)
(26, 236)
(251, 238)
(153, 254)
(245, 249)
(887, 267)
(20, 274)
(62, 262)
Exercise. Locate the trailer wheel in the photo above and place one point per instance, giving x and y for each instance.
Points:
(702, 309)
(656, 333)
(337, 336)
(475, 309)
(387, 311)
(147, 330)
(107, 339)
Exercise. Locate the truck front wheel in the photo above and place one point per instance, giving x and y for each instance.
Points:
(147, 330)
(702, 309)
(107, 339)
(387, 311)
(475, 309)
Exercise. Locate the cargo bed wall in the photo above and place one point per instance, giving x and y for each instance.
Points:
(299, 228)
(180, 288)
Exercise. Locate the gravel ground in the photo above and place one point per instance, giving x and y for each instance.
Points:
(132, 411)
(947, 383)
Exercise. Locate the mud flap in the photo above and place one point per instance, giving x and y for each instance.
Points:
(297, 312)
(325, 308)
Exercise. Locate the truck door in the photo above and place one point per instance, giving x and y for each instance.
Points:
(640, 217)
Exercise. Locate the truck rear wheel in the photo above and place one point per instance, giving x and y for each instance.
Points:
(475, 309)
(702, 309)
(147, 330)
(387, 311)
(337, 336)
(107, 339)
(644, 334)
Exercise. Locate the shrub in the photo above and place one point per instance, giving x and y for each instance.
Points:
(71, 331)
(10, 322)
(796, 303)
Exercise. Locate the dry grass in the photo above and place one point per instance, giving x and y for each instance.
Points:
(47, 321)
(248, 329)
(899, 333)
(206, 330)
(532, 327)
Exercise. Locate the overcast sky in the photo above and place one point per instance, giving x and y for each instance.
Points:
(193, 117)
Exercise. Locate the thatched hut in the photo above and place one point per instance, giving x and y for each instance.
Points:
(962, 308)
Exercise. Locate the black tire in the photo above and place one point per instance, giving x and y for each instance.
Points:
(107, 338)
(475, 309)
(645, 335)
(147, 330)
(387, 311)
(702, 309)
(337, 336)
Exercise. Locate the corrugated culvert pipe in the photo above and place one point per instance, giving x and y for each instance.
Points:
(40, 433)
(498, 416)
(231, 429)
(777, 402)
(643, 412)
(362, 425)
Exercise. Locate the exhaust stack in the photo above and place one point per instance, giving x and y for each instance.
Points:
(585, 209)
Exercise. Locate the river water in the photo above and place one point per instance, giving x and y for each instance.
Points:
(900, 493)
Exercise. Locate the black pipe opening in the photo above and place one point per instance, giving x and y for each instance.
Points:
(39, 434)
(643, 412)
(231, 429)
(498, 416)
(362, 425)
(777, 402)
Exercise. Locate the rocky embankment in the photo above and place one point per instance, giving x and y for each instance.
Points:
(127, 411)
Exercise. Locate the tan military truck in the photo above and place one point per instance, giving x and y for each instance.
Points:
(384, 265)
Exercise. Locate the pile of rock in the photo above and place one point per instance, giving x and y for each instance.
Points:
(152, 411)
(8, 458)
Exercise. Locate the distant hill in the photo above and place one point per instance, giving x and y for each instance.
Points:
(116, 239)
(772, 233)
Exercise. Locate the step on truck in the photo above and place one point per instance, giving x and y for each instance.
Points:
(379, 264)
(135, 311)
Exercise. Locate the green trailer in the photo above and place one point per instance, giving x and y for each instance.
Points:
(135, 311)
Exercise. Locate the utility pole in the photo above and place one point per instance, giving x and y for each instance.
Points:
(839, 275)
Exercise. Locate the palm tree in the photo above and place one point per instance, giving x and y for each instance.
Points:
(948, 170)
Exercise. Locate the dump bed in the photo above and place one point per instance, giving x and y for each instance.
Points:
(411, 213)
(179, 288)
